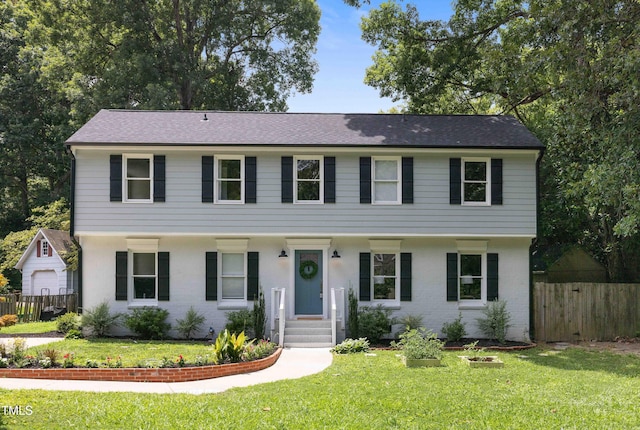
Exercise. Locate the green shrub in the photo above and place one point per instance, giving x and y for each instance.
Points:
(73, 334)
(454, 331)
(99, 320)
(256, 351)
(410, 322)
(351, 346)
(229, 347)
(148, 323)
(373, 322)
(17, 348)
(190, 324)
(259, 316)
(420, 344)
(239, 321)
(352, 323)
(67, 322)
(496, 320)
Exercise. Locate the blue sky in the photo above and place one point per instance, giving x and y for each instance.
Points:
(343, 57)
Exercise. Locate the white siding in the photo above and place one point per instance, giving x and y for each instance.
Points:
(183, 212)
(35, 264)
(187, 277)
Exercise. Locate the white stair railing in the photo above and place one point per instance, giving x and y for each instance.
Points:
(277, 312)
(337, 312)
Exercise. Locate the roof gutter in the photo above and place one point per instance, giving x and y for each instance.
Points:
(534, 243)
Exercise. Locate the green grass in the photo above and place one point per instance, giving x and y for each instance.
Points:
(573, 389)
(131, 352)
(31, 328)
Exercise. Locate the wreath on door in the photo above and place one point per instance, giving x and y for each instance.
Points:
(308, 269)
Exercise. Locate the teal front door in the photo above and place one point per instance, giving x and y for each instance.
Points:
(308, 278)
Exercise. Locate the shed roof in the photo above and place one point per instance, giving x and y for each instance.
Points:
(58, 239)
(115, 127)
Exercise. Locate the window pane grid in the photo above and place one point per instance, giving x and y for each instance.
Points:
(308, 180)
(384, 276)
(232, 277)
(475, 181)
(144, 275)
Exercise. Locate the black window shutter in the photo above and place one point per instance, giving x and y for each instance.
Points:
(496, 181)
(405, 276)
(455, 181)
(365, 179)
(121, 275)
(329, 179)
(452, 277)
(163, 276)
(253, 275)
(365, 276)
(407, 179)
(211, 277)
(159, 177)
(250, 180)
(492, 277)
(207, 179)
(115, 178)
(287, 179)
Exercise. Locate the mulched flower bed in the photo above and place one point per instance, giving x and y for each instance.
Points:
(482, 343)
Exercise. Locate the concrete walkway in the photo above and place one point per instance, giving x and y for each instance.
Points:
(293, 363)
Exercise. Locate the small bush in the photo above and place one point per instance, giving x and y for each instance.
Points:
(67, 322)
(420, 344)
(17, 348)
(239, 321)
(258, 350)
(190, 324)
(454, 331)
(73, 334)
(496, 320)
(148, 323)
(373, 322)
(259, 315)
(229, 347)
(50, 354)
(351, 346)
(8, 320)
(352, 322)
(410, 322)
(99, 320)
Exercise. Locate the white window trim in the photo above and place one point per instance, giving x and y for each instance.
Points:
(232, 246)
(44, 248)
(398, 181)
(473, 247)
(135, 246)
(386, 246)
(487, 181)
(125, 179)
(320, 158)
(217, 179)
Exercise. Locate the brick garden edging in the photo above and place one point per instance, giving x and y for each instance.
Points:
(134, 374)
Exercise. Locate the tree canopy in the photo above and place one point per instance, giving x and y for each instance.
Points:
(568, 69)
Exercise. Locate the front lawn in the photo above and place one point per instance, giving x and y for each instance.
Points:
(30, 328)
(571, 389)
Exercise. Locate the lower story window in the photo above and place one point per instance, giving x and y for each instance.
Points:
(384, 276)
(470, 276)
(232, 276)
(144, 275)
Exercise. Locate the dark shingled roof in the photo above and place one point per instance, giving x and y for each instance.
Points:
(109, 127)
(60, 240)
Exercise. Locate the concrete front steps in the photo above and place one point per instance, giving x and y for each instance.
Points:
(307, 334)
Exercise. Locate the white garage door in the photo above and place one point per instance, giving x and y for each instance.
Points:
(44, 282)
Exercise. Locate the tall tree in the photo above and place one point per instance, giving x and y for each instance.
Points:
(185, 54)
(33, 123)
(567, 68)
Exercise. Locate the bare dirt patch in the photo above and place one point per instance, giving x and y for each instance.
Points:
(621, 345)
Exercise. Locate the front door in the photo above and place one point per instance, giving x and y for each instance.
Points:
(308, 278)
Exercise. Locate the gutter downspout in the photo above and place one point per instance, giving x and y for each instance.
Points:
(534, 243)
(72, 204)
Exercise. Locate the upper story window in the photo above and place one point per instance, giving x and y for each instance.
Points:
(229, 179)
(138, 174)
(475, 181)
(144, 276)
(385, 276)
(44, 249)
(386, 180)
(308, 180)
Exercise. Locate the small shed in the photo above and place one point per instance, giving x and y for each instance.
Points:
(43, 265)
(574, 265)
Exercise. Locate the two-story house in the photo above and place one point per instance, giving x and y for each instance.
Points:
(426, 215)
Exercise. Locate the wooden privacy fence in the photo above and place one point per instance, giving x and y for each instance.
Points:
(571, 312)
(33, 308)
